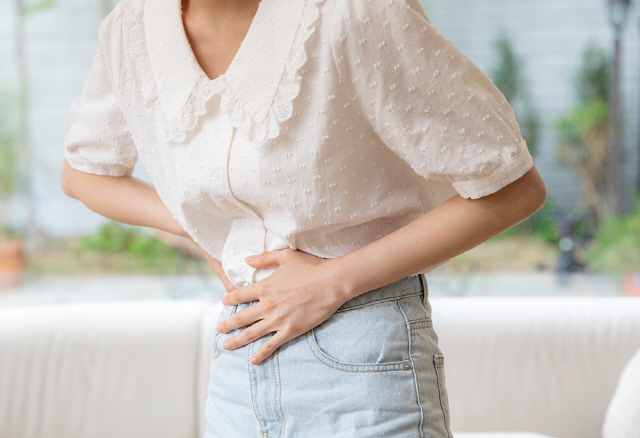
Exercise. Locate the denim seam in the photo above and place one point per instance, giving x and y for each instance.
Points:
(421, 324)
(416, 321)
(355, 306)
(278, 401)
(438, 363)
(415, 377)
(214, 346)
(253, 405)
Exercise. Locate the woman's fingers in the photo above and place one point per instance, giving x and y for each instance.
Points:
(246, 316)
(269, 347)
(247, 335)
(241, 295)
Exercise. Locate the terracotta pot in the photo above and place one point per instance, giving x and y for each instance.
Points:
(12, 263)
(631, 284)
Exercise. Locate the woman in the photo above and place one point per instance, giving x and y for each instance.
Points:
(323, 155)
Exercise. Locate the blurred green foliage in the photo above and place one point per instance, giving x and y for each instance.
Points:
(37, 6)
(10, 182)
(583, 131)
(508, 77)
(117, 237)
(8, 140)
(616, 243)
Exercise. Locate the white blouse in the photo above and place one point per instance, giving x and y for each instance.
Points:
(337, 122)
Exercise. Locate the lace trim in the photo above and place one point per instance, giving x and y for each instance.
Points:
(281, 108)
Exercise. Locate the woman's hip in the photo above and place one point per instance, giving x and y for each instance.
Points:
(371, 369)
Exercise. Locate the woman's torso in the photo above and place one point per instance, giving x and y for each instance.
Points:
(326, 184)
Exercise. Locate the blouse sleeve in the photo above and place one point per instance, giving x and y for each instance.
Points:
(97, 138)
(425, 99)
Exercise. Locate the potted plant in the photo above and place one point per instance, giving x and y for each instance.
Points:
(12, 255)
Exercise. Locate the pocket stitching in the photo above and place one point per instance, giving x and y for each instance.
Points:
(381, 300)
(327, 360)
(438, 362)
(347, 367)
(420, 324)
(215, 340)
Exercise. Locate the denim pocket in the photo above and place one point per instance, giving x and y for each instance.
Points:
(438, 363)
(369, 338)
(226, 312)
(215, 352)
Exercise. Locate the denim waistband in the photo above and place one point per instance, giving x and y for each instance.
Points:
(408, 286)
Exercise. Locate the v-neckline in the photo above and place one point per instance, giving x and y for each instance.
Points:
(236, 57)
(262, 74)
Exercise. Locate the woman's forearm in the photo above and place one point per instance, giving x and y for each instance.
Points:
(124, 199)
(455, 226)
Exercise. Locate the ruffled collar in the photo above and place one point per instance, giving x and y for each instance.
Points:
(256, 91)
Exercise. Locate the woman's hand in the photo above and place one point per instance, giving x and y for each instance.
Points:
(300, 294)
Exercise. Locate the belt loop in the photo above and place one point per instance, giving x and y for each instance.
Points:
(425, 288)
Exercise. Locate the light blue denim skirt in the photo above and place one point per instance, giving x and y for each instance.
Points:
(373, 369)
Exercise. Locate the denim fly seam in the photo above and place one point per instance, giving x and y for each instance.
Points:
(265, 386)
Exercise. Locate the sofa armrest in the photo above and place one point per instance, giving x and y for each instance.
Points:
(101, 369)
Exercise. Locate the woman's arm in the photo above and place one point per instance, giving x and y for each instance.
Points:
(131, 201)
(124, 199)
(305, 290)
(452, 228)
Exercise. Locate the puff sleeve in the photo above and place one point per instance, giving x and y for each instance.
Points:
(97, 139)
(424, 98)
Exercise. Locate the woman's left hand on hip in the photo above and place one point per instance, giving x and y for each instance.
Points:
(301, 293)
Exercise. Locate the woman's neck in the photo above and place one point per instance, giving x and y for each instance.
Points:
(216, 10)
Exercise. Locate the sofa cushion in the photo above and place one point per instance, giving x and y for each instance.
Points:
(102, 369)
(542, 364)
(622, 419)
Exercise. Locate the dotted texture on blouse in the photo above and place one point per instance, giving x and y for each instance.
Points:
(311, 150)
(428, 102)
(97, 138)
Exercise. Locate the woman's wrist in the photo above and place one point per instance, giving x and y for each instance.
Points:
(349, 285)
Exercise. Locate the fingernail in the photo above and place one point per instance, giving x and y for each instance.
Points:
(254, 360)
(250, 258)
(226, 345)
(219, 329)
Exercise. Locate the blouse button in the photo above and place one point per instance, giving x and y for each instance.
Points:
(244, 270)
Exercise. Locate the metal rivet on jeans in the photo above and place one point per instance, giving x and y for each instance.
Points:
(406, 366)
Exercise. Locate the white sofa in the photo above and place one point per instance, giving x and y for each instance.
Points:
(139, 369)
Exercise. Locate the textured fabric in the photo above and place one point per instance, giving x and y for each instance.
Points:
(102, 369)
(373, 369)
(623, 413)
(548, 365)
(337, 123)
(140, 369)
